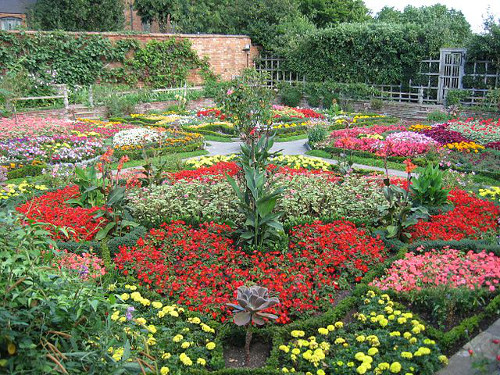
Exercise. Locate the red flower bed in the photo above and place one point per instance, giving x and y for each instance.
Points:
(213, 112)
(52, 208)
(471, 219)
(307, 112)
(201, 269)
(219, 169)
(231, 168)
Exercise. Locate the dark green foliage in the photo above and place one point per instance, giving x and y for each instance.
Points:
(164, 63)
(368, 52)
(455, 97)
(327, 12)
(27, 170)
(427, 189)
(317, 134)
(50, 57)
(438, 116)
(450, 24)
(77, 15)
(120, 105)
(486, 46)
(329, 92)
(290, 95)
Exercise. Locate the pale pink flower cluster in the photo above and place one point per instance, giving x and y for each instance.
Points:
(33, 126)
(356, 131)
(86, 265)
(449, 267)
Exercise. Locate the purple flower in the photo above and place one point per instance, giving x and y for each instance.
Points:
(128, 314)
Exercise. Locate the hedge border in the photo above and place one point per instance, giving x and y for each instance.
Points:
(138, 154)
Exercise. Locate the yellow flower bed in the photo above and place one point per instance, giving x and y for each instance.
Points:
(174, 339)
(13, 190)
(292, 161)
(464, 146)
(419, 127)
(372, 136)
(204, 124)
(362, 117)
(383, 340)
(492, 193)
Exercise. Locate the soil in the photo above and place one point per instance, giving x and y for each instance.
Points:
(234, 356)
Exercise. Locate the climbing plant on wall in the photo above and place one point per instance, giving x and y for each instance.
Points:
(82, 59)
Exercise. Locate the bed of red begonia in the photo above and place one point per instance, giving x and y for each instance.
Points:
(201, 268)
(52, 208)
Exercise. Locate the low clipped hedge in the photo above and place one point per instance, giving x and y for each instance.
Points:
(139, 154)
(27, 170)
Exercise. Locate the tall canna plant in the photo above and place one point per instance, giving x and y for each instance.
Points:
(257, 197)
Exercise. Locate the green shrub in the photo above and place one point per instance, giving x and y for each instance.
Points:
(317, 134)
(290, 95)
(438, 116)
(456, 96)
(427, 189)
(120, 105)
(376, 104)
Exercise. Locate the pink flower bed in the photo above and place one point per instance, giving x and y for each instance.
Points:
(33, 126)
(86, 265)
(401, 143)
(449, 267)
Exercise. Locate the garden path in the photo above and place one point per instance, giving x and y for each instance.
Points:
(485, 353)
(298, 147)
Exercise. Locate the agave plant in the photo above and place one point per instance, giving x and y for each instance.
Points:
(252, 301)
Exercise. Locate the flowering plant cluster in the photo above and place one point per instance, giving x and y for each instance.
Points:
(28, 127)
(281, 111)
(449, 267)
(174, 339)
(442, 135)
(492, 193)
(382, 339)
(212, 112)
(86, 265)
(480, 131)
(471, 218)
(139, 138)
(13, 190)
(52, 208)
(464, 146)
(192, 265)
(98, 128)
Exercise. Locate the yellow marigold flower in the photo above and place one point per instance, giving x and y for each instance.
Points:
(323, 331)
(407, 335)
(296, 351)
(443, 359)
(320, 372)
(384, 366)
(284, 370)
(185, 359)
(330, 327)
(339, 325)
(141, 321)
(297, 333)
(130, 287)
(177, 338)
(185, 345)
(284, 348)
(152, 328)
(413, 340)
(395, 333)
(115, 315)
(407, 355)
(195, 320)
(339, 341)
(166, 356)
(164, 370)
(359, 356)
(372, 351)
(112, 287)
(370, 293)
(210, 346)
(395, 367)
(125, 296)
(360, 338)
(157, 305)
(362, 369)
(201, 361)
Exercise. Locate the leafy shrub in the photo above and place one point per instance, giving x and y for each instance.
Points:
(376, 104)
(428, 189)
(120, 105)
(317, 134)
(290, 95)
(455, 97)
(437, 117)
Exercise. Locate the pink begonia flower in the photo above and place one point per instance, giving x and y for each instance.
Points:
(229, 92)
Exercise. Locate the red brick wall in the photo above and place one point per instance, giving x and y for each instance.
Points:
(225, 52)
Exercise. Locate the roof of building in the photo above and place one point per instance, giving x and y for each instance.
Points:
(15, 6)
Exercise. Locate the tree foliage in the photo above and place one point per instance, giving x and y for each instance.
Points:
(451, 24)
(327, 12)
(77, 15)
(486, 46)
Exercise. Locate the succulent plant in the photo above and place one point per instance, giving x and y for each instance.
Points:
(251, 302)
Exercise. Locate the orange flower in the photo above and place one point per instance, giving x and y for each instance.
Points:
(409, 166)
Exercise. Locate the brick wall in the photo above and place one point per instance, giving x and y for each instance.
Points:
(225, 53)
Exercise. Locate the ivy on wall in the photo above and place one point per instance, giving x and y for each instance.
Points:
(73, 59)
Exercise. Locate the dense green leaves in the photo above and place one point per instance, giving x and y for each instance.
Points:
(77, 15)
(60, 57)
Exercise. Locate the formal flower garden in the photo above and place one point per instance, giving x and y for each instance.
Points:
(121, 255)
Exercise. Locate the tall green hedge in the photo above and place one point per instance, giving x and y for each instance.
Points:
(363, 52)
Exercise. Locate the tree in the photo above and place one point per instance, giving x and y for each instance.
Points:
(450, 24)
(327, 12)
(77, 15)
(155, 10)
